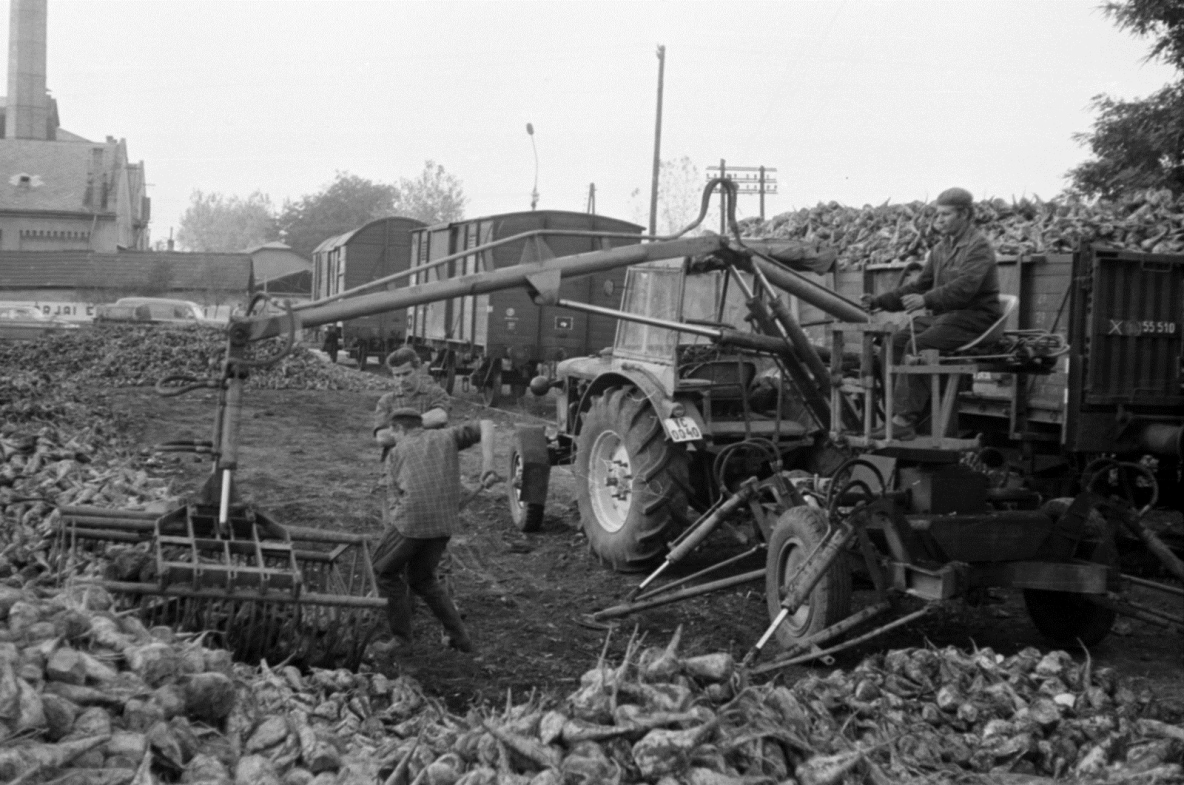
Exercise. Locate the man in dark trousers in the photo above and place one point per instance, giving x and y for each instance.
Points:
(421, 514)
(332, 342)
(959, 285)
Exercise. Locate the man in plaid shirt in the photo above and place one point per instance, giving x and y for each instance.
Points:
(421, 514)
(413, 390)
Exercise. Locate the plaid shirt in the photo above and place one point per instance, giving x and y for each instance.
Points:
(426, 395)
(423, 480)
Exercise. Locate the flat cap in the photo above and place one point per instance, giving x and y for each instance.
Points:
(406, 413)
(955, 197)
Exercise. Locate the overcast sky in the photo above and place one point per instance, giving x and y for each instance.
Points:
(858, 102)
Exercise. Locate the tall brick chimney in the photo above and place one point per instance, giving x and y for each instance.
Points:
(28, 111)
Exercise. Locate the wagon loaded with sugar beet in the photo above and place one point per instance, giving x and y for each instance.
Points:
(714, 408)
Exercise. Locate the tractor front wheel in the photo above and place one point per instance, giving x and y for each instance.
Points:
(795, 536)
(631, 482)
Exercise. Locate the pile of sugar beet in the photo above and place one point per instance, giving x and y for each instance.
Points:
(89, 695)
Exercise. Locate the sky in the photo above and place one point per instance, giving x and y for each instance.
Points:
(858, 102)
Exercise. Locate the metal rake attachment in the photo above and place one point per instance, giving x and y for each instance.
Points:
(285, 594)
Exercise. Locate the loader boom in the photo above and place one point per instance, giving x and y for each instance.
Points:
(541, 278)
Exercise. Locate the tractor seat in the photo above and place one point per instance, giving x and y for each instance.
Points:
(993, 334)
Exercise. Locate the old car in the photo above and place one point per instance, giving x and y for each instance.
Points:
(26, 322)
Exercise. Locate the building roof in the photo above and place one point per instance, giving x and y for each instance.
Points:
(59, 176)
(275, 260)
(130, 269)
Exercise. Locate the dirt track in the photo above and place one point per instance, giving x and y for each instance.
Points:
(309, 459)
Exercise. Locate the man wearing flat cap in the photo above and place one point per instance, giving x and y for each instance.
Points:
(959, 285)
(421, 514)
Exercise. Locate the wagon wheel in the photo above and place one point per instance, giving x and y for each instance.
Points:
(795, 536)
(449, 370)
(491, 387)
(1131, 482)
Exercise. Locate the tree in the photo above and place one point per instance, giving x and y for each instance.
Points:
(433, 197)
(1136, 144)
(351, 201)
(680, 194)
(1139, 143)
(217, 223)
(344, 204)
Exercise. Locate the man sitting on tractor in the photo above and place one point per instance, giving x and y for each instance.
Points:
(959, 286)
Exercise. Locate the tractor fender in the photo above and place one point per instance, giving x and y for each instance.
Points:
(665, 406)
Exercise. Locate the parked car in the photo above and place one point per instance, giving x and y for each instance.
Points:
(150, 309)
(24, 322)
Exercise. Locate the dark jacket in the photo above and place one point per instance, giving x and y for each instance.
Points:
(959, 275)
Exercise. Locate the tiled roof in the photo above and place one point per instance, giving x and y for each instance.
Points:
(83, 269)
(58, 175)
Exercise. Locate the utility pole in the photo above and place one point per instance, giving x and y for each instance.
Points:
(534, 195)
(592, 198)
(657, 143)
(748, 179)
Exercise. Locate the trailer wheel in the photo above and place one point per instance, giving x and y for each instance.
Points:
(491, 389)
(795, 536)
(631, 482)
(1065, 617)
(527, 478)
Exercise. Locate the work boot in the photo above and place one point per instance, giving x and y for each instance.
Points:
(442, 608)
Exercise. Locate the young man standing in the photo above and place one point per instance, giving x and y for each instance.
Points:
(413, 390)
(421, 514)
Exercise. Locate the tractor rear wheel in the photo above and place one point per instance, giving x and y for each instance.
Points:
(795, 536)
(631, 482)
(1066, 617)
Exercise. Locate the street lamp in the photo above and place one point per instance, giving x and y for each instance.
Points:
(534, 195)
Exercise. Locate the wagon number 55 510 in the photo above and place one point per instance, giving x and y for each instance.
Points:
(1135, 327)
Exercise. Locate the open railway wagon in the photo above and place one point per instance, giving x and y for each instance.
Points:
(497, 342)
(667, 428)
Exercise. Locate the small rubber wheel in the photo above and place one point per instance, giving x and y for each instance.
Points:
(527, 516)
(795, 536)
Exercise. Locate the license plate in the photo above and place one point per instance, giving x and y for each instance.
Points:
(683, 429)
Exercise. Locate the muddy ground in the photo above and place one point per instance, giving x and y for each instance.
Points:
(307, 457)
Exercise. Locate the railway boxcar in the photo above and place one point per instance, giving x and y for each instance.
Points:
(342, 262)
(498, 342)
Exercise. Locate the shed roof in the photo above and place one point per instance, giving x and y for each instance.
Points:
(84, 269)
(58, 175)
(275, 260)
